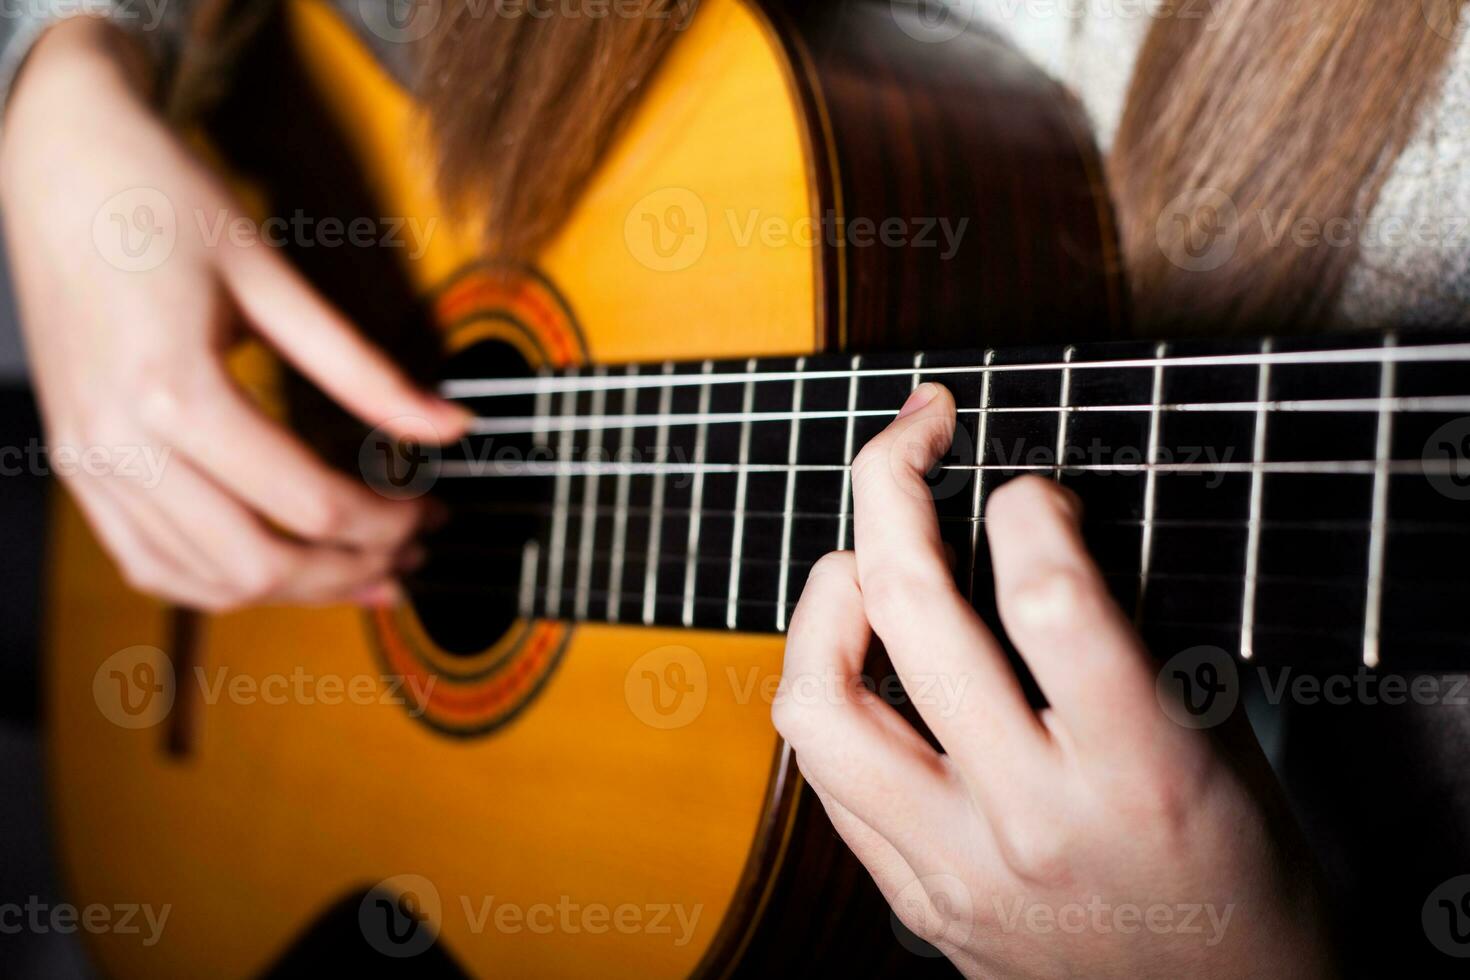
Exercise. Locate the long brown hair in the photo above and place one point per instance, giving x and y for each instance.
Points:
(1253, 144)
(523, 104)
(1259, 120)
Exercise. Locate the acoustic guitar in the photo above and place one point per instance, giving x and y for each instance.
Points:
(555, 757)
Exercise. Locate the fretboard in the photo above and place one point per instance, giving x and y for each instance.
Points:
(1303, 500)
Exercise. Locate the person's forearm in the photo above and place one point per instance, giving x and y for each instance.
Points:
(83, 78)
(107, 30)
(82, 55)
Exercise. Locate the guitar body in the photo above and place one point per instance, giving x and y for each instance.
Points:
(290, 783)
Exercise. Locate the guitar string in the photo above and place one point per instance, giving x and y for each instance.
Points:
(473, 469)
(763, 606)
(464, 388)
(531, 424)
(1402, 524)
(1427, 404)
(682, 558)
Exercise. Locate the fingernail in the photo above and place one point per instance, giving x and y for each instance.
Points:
(1074, 502)
(410, 559)
(918, 398)
(377, 595)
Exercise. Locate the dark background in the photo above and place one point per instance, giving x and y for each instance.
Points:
(26, 865)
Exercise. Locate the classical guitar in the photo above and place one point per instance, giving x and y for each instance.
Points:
(555, 758)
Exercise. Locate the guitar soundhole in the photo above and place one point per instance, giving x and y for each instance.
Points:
(466, 592)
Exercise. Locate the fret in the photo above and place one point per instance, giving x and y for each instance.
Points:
(918, 363)
(1334, 493)
(742, 482)
(845, 503)
(783, 582)
(530, 559)
(696, 502)
(1064, 410)
(977, 499)
(556, 560)
(1150, 480)
(1373, 611)
(540, 443)
(542, 409)
(620, 513)
(587, 536)
(1253, 525)
(656, 509)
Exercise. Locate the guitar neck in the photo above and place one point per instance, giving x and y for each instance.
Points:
(1293, 501)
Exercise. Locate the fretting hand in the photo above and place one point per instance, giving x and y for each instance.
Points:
(1094, 838)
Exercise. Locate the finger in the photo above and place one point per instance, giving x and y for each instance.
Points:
(848, 740)
(1056, 608)
(931, 633)
(326, 348)
(257, 564)
(316, 576)
(270, 469)
(146, 568)
(944, 918)
(888, 868)
(155, 526)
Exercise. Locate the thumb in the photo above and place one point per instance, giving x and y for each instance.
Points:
(329, 350)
